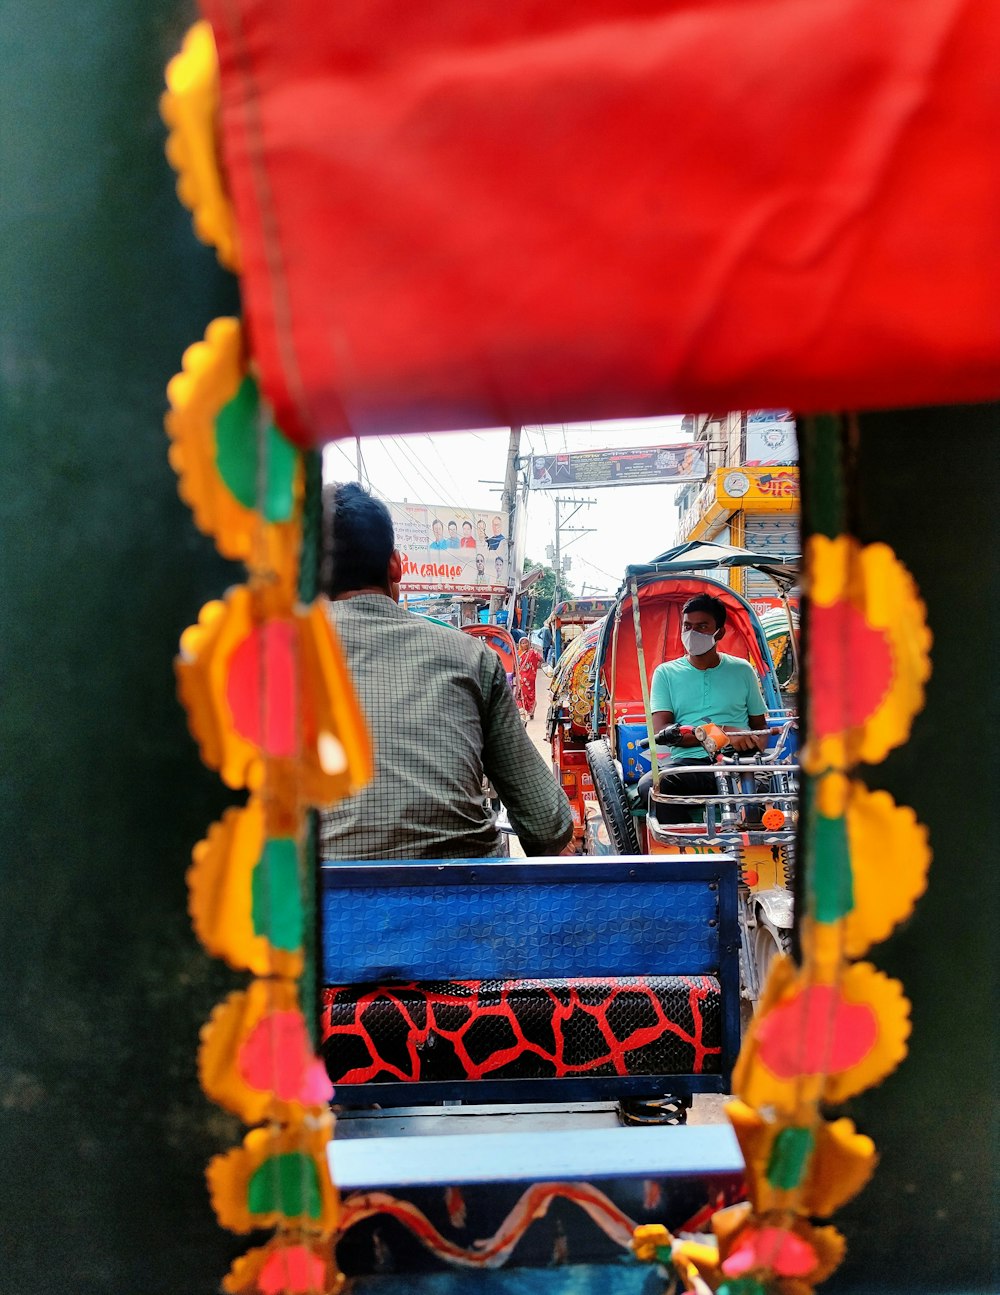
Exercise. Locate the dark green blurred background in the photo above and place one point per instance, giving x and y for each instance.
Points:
(105, 1132)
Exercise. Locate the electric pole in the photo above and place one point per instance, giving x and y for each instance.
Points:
(557, 559)
(508, 499)
(561, 527)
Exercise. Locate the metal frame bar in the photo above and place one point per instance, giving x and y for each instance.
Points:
(568, 1155)
(574, 1088)
(460, 872)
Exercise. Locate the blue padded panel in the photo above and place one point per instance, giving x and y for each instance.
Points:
(634, 762)
(547, 930)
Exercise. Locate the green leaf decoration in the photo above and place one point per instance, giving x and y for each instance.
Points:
(236, 443)
(276, 896)
(832, 884)
(287, 1183)
(789, 1158)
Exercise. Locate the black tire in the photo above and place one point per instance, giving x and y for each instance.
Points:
(766, 947)
(611, 797)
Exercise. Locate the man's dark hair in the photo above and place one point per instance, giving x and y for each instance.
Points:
(360, 541)
(706, 603)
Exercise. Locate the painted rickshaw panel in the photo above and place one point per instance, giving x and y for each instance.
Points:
(500, 639)
(576, 611)
(569, 722)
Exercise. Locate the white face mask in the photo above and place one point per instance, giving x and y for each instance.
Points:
(696, 643)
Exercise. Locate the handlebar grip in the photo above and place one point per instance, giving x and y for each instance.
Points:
(666, 736)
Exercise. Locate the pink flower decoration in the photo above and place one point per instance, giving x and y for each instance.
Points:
(850, 668)
(277, 1057)
(316, 1088)
(261, 689)
(784, 1253)
(815, 1033)
(290, 1270)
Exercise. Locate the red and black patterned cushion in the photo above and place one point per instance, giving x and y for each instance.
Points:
(521, 1029)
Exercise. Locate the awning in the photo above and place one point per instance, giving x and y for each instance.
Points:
(698, 556)
(463, 215)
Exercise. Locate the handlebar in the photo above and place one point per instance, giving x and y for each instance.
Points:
(711, 737)
(666, 736)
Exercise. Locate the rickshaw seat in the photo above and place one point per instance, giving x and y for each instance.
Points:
(535, 980)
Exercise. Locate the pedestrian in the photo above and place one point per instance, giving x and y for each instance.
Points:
(548, 647)
(528, 660)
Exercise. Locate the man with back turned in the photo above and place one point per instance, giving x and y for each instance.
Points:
(440, 714)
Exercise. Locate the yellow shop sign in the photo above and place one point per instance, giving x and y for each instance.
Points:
(758, 490)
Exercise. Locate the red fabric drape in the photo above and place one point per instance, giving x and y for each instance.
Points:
(460, 214)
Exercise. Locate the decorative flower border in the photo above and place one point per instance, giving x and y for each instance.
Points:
(270, 704)
(831, 1026)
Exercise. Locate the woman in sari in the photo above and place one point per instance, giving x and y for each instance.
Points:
(528, 660)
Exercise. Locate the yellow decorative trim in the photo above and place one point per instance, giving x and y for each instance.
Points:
(842, 1163)
(220, 889)
(333, 757)
(872, 581)
(250, 1270)
(800, 1021)
(189, 107)
(212, 372)
(230, 1176)
(890, 857)
(232, 1078)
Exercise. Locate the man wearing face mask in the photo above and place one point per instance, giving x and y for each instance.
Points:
(703, 685)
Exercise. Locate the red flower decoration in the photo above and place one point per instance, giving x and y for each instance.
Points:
(852, 668)
(815, 1033)
(784, 1253)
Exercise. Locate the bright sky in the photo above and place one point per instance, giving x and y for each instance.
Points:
(631, 523)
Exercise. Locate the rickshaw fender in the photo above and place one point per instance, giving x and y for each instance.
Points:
(777, 908)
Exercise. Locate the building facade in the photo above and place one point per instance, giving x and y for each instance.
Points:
(750, 498)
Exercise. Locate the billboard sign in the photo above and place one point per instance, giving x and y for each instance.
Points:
(451, 550)
(771, 440)
(641, 466)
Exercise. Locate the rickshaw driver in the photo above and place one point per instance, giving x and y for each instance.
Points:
(703, 685)
(440, 714)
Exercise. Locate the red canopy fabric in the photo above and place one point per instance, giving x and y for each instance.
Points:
(456, 214)
(660, 604)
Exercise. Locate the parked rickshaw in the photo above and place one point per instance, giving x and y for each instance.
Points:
(568, 723)
(579, 612)
(782, 631)
(753, 814)
(500, 639)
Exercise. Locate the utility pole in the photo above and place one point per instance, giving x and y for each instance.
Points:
(562, 527)
(557, 560)
(508, 498)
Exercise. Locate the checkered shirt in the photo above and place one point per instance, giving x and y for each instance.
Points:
(440, 715)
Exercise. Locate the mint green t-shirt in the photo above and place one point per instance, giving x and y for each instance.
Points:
(728, 694)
